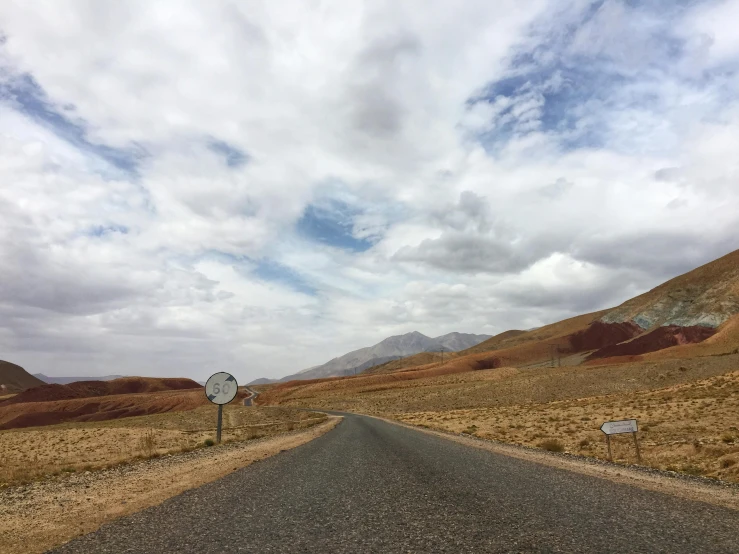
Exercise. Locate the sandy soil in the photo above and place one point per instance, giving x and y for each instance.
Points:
(690, 428)
(28, 453)
(45, 514)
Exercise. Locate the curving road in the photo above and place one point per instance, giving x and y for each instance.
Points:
(370, 486)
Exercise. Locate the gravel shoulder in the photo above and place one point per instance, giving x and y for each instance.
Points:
(711, 491)
(45, 514)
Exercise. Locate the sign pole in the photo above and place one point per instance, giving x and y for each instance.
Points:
(221, 388)
(220, 423)
(623, 426)
(636, 443)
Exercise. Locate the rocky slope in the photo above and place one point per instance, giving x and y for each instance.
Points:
(706, 297)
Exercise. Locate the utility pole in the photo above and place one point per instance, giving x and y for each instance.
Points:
(554, 349)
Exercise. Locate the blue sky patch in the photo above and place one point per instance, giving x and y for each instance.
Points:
(270, 270)
(103, 230)
(233, 156)
(28, 97)
(332, 223)
(555, 86)
(266, 270)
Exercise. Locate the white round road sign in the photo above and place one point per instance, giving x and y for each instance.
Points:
(221, 388)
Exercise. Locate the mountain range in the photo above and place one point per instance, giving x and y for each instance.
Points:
(67, 380)
(392, 348)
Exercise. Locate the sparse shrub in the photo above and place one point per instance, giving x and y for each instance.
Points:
(727, 463)
(691, 469)
(552, 445)
(584, 443)
(471, 430)
(147, 443)
(728, 438)
(209, 442)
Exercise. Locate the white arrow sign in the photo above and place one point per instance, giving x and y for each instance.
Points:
(221, 388)
(616, 427)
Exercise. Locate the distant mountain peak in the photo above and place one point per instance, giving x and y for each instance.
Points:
(390, 348)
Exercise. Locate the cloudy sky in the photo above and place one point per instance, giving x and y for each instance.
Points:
(258, 187)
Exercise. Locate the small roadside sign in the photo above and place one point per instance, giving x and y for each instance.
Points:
(221, 388)
(616, 427)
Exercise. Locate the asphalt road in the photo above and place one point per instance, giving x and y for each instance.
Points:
(370, 486)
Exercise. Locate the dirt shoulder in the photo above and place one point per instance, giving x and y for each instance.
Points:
(713, 492)
(44, 514)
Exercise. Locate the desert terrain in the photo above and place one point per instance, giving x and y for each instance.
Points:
(668, 358)
(45, 513)
(77, 455)
(31, 453)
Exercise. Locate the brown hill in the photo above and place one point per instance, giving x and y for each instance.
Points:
(88, 389)
(99, 408)
(548, 332)
(415, 360)
(13, 378)
(686, 310)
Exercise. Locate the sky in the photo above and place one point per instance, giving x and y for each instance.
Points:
(257, 187)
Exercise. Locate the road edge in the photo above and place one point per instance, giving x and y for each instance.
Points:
(714, 492)
(113, 497)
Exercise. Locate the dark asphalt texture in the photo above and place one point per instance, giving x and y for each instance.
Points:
(370, 486)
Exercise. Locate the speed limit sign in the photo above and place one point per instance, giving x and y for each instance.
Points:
(221, 388)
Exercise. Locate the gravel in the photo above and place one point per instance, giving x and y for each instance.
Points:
(371, 486)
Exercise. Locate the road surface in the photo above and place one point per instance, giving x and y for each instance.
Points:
(371, 486)
(249, 400)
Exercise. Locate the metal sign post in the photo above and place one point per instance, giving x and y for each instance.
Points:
(617, 427)
(220, 389)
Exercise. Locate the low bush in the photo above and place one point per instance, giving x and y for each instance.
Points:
(552, 445)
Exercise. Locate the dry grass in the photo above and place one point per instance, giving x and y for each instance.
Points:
(690, 428)
(30, 453)
(410, 391)
(40, 517)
